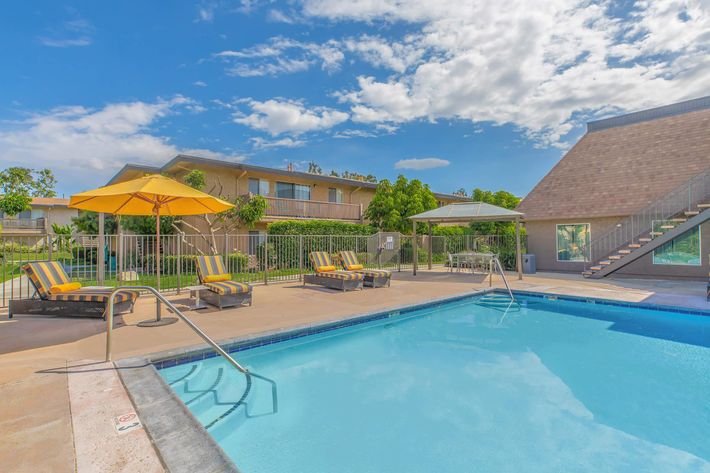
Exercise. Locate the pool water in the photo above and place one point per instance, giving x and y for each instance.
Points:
(470, 386)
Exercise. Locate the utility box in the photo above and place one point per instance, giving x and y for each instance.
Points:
(529, 264)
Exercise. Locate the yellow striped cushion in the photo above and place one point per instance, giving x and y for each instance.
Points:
(217, 278)
(228, 287)
(346, 275)
(349, 258)
(354, 267)
(209, 266)
(90, 295)
(376, 273)
(325, 269)
(67, 287)
(44, 275)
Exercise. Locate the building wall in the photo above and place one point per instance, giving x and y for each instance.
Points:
(60, 216)
(542, 242)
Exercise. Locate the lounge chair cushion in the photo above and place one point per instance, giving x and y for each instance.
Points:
(228, 287)
(345, 275)
(209, 266)
(66, 287)
(325, 269)
(44, 275)
(354, 267)
(217, 278)
(376, 273)
(93, 295)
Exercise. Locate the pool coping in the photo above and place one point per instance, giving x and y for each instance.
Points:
(192, 448)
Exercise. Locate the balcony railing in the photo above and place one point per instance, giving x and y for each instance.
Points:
(296, 208)
(22, 223)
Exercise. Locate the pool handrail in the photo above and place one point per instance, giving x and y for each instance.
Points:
(171, 307)
(496, 262)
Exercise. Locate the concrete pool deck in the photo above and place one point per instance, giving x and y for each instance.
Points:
(40, 390)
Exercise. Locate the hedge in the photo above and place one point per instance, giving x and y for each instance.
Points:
(318, 227)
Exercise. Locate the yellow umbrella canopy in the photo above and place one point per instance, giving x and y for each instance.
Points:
(149, 195)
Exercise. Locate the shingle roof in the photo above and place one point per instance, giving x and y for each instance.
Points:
(50, 201)
(467, 212)
(618, 170)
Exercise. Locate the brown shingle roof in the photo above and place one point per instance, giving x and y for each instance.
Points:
(618, 171)
(50, 201)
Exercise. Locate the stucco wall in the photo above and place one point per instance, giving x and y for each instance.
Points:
(542, 242)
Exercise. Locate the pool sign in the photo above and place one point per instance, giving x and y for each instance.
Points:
(126, 423)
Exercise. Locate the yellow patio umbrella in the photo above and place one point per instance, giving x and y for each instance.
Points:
(149, 195)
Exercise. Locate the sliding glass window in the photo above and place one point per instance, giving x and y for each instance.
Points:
(683, 250)
(289, 190)
(573, 242)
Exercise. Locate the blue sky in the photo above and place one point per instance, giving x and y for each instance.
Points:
(456, 93)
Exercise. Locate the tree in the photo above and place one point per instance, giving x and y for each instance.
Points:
(29, 182)
(461, 192)
(393, 204)
(13, 204)
(500, 198)
(313, 168)
(88, 222)
(247, 211)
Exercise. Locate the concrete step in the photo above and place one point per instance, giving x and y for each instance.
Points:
(626, 252)
(633, 245)
(655, 234)
(679, 220)
(691, 213)
(615, 257)
(644, 240)
(596, 268)
(586, 274)
(605, 263)
(703, 206)
(667, 227)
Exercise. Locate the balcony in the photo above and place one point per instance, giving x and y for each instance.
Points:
(25, 225)
(295, 208)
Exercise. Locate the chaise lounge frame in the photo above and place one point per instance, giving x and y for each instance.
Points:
(329, 282)
(371, 277)
(222, 300)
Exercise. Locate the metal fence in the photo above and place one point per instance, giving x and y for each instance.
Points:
(131, 259)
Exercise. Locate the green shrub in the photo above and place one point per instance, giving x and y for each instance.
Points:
(318, 227)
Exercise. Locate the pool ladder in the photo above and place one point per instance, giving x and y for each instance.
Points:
(171, 307)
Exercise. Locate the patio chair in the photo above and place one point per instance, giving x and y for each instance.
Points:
(221, 290)
(327, 275)
(56, 295)
(371, 277)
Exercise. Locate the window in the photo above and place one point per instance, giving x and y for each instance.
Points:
(572, 242)
(289, 190)
(682, 250)
(335, 195)
(25, 214)
(258, 186)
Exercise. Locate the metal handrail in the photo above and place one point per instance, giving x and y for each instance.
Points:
(195, 328)
(496, 262)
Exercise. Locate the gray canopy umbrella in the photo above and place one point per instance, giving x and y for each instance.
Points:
(465, 213)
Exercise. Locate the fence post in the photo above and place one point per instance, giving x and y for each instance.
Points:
(330, 244)
(300, 257)
(179, 261)
(266, 259)
(49, 246)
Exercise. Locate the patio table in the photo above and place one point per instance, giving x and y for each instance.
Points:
(469, 258)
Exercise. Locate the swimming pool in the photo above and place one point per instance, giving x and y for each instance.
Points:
(469, 385)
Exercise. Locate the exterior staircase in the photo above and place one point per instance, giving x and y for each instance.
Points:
(675, 213)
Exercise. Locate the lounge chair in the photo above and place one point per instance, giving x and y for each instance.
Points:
(327, 275)
(371, 277)
(56, 295)
(221, 290)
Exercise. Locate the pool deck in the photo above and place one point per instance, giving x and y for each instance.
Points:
(59, 400)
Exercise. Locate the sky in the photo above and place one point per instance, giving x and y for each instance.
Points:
(459, 94)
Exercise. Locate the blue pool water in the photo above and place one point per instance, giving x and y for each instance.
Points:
(547, 386)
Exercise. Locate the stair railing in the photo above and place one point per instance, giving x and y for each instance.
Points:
(629, 230)
(171, 307)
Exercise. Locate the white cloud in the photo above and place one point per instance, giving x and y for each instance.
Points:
(262, 143)
(544, 69)
(77, 32)
(87, 145)
(421, 163)
(277, 116)
(199, 83)
(281, 56)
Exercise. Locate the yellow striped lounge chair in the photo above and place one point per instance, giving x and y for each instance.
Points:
(371, 277)
(329, 276)
(221, 290)
(56, 295)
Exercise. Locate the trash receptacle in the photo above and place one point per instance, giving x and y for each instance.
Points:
(529, 264)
